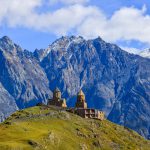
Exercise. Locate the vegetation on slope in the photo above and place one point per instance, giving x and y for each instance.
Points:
(50, 128)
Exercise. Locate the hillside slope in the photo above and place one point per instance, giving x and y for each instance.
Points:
(48, 128)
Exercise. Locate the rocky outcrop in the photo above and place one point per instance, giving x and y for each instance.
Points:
(25, 81)
(7, 104)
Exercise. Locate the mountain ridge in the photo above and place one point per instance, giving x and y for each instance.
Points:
(113, 80)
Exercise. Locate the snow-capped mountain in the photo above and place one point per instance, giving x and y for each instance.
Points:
(145, 53)
(63, 43)
(113, 80)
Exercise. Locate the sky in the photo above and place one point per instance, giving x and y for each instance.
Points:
(37, 23)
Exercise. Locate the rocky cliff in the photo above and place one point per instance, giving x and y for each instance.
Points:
(22, 81)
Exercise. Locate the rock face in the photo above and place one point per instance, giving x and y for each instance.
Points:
(22, 77)
(113, 80)
(7, 104)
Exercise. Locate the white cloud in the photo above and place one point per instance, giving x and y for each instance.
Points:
(129, 24)
(68, 2)
(126, 23)
(88, 21)
(60, 22)
(13, 12)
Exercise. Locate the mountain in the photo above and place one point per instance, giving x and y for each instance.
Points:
(23, 82)
(145, 53)
(49, 128)
(7, 103)
(113, 80)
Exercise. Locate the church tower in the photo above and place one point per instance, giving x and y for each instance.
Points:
(57, 100)
(57, 94)
(81, 102)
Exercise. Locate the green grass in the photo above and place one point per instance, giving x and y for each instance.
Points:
(52, 129)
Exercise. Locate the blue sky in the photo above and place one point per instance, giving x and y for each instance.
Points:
(36, 23)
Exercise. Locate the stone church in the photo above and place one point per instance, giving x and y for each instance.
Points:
(57, 100)
(81, 103)
(81, 107)
(85, 112)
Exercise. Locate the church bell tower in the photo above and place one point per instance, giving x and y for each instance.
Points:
(81, 102)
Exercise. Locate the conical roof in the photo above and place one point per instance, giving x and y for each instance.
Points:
(57, 90)
(80, 92)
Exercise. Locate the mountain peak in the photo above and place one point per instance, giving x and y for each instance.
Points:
(60, 44)
(6, 39)
(8, 45)
(99, 39)
(68, 39)
(72, 37)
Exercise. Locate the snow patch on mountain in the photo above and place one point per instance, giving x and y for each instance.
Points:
(61, 44)
(145, 53)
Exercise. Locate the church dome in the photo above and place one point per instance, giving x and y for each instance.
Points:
(80, 93)
(57, 90)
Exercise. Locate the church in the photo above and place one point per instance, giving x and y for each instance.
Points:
(80, 108)
(57, 100)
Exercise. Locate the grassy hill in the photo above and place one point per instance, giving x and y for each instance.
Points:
(44, 128)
